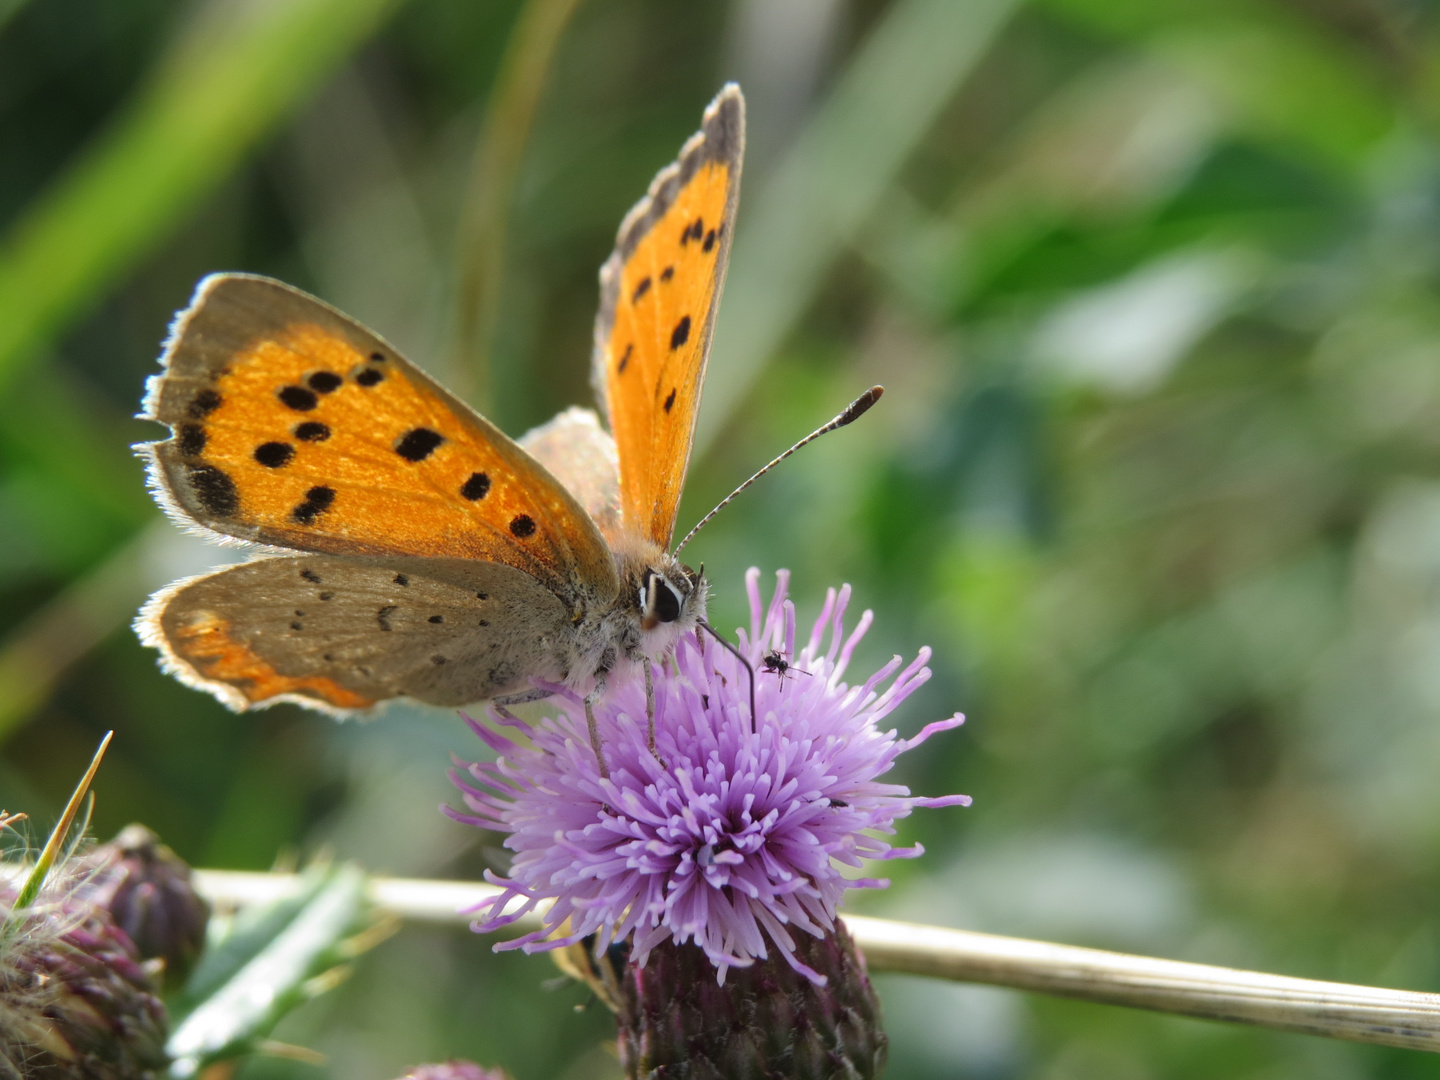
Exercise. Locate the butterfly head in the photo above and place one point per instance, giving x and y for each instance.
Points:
(670, 602)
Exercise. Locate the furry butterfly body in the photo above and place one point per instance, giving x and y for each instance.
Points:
(408, 547)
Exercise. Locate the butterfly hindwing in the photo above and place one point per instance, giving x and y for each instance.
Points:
(347, 633)
(581, 455)
(659, 292)
(296, 427)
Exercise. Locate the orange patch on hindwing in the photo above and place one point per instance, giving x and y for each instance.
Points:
(205, 643)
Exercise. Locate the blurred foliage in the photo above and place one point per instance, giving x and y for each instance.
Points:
(1152, 287)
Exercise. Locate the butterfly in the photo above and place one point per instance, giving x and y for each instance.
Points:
(410, 548)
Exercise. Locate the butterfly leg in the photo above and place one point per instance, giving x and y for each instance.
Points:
(522, 698)
(498, 705)
(590, 700)
(650, 713)
(650, 707)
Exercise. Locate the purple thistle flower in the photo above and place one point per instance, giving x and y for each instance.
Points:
(738, 836)
(454, 1069)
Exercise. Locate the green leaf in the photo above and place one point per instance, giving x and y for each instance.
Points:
(1282, 77)
(264, 967)
(235, 942)
(9, 9)
(239, 70)
(828, 185)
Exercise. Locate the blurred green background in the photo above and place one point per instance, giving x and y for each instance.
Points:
(1153, 291)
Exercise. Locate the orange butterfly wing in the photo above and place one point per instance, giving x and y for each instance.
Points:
(295, 426)
(659, 292)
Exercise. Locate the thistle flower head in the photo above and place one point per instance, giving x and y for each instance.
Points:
(148, 892)
(724, 836)
(76, 1002)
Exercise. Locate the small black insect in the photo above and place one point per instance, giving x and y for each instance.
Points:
(775, 663)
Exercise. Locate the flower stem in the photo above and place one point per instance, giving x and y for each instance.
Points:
(1366, 1014)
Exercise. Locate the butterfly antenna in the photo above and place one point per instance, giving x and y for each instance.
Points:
(748, 667)
(853, 412)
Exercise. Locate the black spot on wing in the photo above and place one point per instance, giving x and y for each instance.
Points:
(383, 616)
(418, 444)
(214, 489)
(681, 333)
(203, 404)
(379, 358)
(522, 525)
(312, 431)
(437, 619)
(670, 400)
(477, 487)
(640, 290)
(298, 398)
(274, 455)
(192, 439)
(667, 273)
(317, 501)
(401, 580)
(369, 376)
(625, 358)
(710, 239)
(310, 576)
(325, 381)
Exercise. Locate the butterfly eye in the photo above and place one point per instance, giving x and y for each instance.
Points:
(667, 603)
(658, 599)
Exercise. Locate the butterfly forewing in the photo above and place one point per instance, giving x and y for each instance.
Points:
(659, 293)
(348, 633)
(294, 426)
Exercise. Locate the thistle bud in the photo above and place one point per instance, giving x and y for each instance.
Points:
(765, 1020)
(453, 1070)
(75, 1000)
(147, 890)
